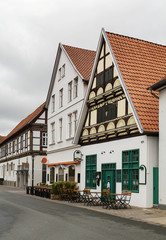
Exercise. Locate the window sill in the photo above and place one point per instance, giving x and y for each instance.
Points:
(60, 142)
(51, 144)
(68, 139)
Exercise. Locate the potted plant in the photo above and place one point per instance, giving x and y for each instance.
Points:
(55, 192)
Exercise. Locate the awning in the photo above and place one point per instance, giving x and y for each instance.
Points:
(62, 163)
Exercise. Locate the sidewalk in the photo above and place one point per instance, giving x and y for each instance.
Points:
(149, 215)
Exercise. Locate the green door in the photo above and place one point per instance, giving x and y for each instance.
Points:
(155, 185)
(108, 175)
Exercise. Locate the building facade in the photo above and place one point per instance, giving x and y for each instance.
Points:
(22, 150)
(118, 124)
(64, 101)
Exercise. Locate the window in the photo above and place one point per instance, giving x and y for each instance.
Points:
(6, 149)
(107, 112)
(53, 103)
(17, 144)
(70, 125)
(78, 177)
(130, 170)
(69, 91)
(53, 132)
(26, 140)
(75, 120)
(13, 146)
(21, 143)
(61, 174)
(63, 71)
(60, 129)
(100, 80)
(59, 74)
(61, 98)
(10, 148)
(91, 163)
(52, 174)
(75, 88)
(43, 173)
(44, 139)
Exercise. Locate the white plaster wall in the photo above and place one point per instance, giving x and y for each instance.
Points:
(68, 107)
(162, 147)
(147, 149)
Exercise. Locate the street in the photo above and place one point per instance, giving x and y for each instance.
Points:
(24, 217)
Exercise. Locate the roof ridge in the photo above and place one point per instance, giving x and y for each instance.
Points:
(78, 48)
(136, 38)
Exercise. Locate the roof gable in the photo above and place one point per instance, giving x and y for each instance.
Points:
(80, 59)
(139, 64)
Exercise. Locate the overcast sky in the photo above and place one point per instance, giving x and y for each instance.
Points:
(30, 31)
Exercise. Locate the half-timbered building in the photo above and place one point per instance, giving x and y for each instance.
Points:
(65, 97)
(22, 150)
(118, 125)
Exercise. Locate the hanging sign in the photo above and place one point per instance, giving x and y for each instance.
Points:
(44, 160)
(77, 155)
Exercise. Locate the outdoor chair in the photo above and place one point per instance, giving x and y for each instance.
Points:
(126, 200)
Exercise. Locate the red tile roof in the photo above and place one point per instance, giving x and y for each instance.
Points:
(2, 138)
(26, 121)
(82, 59)
(141, 64)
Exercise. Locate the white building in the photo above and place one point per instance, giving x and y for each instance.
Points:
(22, 151)
(66, 93)
(161, 87)
(118, 124)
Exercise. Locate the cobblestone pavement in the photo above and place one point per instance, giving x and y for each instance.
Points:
(149, 215)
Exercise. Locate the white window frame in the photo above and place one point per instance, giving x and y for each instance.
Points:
(60, 129)
(75, 114)
(75, 88)
(53, 133)
(70, 91)
(44, 139)
(61, 97)
(70, 125)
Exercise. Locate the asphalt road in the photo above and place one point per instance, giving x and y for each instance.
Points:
(28, 218)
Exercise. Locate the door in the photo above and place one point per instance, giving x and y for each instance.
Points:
(155, 185)
(108, 177)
